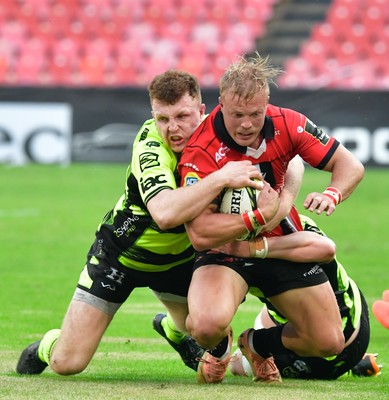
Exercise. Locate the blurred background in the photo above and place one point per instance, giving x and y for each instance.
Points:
(74, 73)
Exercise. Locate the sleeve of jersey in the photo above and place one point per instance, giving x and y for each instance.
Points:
(314, 145)
(153, 167)
(195, 164)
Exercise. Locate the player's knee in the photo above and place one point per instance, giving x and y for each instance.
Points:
(67, 365)
(207, 334)
(330, 344)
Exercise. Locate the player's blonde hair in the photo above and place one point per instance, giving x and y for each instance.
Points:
(247, 77)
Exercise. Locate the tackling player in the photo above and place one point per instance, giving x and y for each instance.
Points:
(141, 242)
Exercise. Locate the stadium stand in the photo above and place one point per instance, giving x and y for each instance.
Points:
(348, 50)
(123, 42)
(109, 43)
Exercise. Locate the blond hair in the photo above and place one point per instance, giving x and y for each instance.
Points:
(247, 77)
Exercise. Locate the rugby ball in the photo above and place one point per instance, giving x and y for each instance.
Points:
(239, 201)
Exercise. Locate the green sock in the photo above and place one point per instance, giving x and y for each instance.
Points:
(47, 343)
(171, 331)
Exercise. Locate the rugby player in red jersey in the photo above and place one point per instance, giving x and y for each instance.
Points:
(245, 126)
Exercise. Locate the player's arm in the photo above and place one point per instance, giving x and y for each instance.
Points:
(293, 179)
(170, 208)
(298, 247)
(212, 229)
(347, 171)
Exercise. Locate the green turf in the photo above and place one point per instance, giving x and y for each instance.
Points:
(48, 216)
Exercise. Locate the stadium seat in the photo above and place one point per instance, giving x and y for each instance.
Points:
(4, 64)
(349, 50)
(124, 70)
(28, 69)
(208, 33)
(92, 69)
(242, 36)
(200, 35)
(341, 15)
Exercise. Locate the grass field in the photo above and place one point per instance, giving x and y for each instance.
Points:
(48, 216)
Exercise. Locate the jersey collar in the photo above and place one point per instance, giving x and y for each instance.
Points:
(221, 132)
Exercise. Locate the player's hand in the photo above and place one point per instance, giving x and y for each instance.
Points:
(239, 174)
(320, 203)
(268, 201)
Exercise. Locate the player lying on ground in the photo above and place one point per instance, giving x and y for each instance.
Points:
(355, 316)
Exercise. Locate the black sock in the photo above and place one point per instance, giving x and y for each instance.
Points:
(267, 342)
(220, 349)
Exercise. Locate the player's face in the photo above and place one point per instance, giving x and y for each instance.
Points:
(243, 119)
(177, 122)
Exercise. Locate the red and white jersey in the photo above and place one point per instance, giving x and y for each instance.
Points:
(286, 133)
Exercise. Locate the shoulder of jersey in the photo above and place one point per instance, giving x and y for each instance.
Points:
(148, 135)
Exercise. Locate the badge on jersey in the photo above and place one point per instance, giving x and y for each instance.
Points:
(191, 178)
(148, 160)
(316, 132)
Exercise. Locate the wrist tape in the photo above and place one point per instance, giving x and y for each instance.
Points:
(254, 220)
(334, 194)
(258, 247)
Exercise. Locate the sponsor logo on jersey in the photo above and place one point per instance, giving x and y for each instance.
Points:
(221, 153)
(149, 183)
(127, 226)
(153, 143)
(191, 178)
(316, 132)
(148, 160)
(143, 135)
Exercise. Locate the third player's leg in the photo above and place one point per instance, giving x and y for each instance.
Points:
(315, 326)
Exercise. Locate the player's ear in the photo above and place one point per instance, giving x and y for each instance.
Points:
(202, 109)
(220, 101)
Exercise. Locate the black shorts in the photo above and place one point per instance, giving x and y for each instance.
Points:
(267, 277)
(293, 366)
(109, 280)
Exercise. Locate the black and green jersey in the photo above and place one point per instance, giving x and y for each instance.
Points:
(131, 235)
(345, 289)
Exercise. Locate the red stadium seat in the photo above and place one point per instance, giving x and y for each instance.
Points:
(4, 65)
(92, 69)
(348, 50)
(204, 30)
(124, 70)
